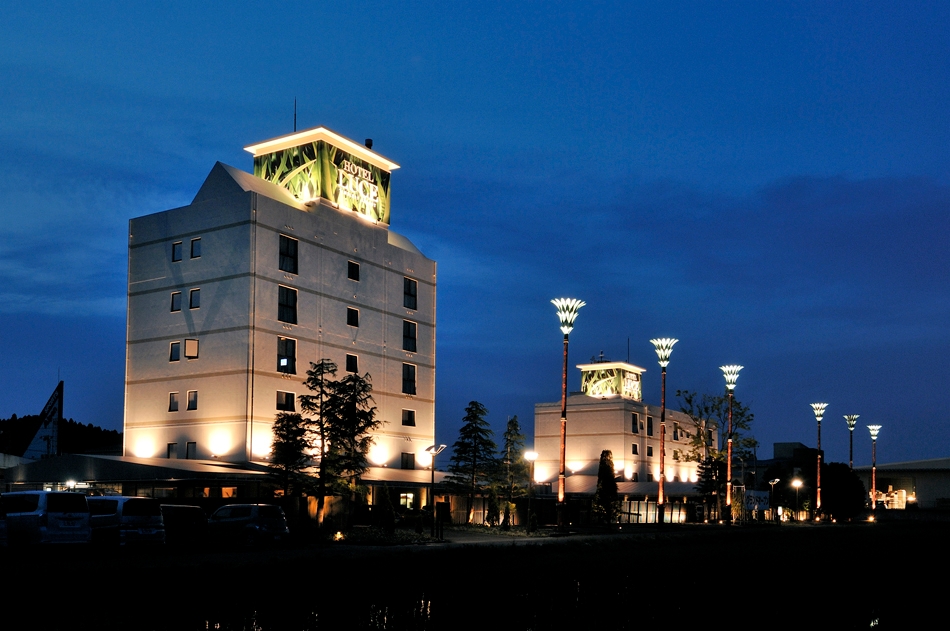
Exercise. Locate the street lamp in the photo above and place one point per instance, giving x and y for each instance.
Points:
(797, 484)
(433, 450)
(852, 420)
(772, 484)
(875, 429)
(530, 456)
(664, 347)
(731, 373)
(819, 409)
(567, 309)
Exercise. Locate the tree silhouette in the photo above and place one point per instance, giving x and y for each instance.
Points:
(473, 460)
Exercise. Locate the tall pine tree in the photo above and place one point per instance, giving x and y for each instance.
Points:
(474, 461)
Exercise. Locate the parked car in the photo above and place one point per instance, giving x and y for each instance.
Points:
(184, 524)
(45, 517)
(123, 520)
(248, 524)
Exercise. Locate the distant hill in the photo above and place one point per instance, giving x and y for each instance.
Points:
(74, 438)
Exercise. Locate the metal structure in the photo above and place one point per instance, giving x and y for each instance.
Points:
(664, 347)
(567, 309)
(433, 450)
(819, 409)
(852, 420)
(875, 430)
(731, 373)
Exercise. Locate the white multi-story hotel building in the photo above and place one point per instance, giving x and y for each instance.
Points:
(233, 296)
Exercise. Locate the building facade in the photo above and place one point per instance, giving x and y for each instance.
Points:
(609, 413)
(232, 297)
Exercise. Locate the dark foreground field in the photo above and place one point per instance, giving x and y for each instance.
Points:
(681, 577)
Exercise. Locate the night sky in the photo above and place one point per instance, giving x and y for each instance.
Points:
(767, 182)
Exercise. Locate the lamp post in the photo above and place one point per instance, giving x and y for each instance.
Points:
(852, 420)
(772, 484)
(567, 309)
(530, 456)
(731, 373)
(664, 347)
(797, 484)
(819, 409)
(875, 429)
(433, 450)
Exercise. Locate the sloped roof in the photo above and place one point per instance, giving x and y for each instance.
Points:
(224, 180)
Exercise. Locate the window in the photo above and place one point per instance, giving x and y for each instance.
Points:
(649, 451)
(171, 451)
(409, 418)
(174, 352)
(285, 401)
(191, 451)
(408, 461)
(172, 401)
(196, 248)
(353, 270)
(676, 455)
(352, 316)
(287, 305)
(287, 355)
(409, 336)
(176, 251)
(635, 423)
(649, 477)
(676, 432)
(636, 449)
(406, 500)
(408, 379)
(194, 299)
(352, 363)
(635, 477)
(410, 290)
(192, 399)
(649, 426)
(288, 255)
(176, 301)
(191, 349)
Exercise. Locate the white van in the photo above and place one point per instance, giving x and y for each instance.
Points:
(126, 520)
(45, 517)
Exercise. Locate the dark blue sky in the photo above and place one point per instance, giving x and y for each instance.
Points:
(767, 182)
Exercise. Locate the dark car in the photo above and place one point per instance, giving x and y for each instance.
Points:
(184, 525)
(248, 524)
(126, 520)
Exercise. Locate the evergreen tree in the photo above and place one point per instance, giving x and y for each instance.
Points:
(289, 452)
(515, 467)
(473, 460)
(606, 499)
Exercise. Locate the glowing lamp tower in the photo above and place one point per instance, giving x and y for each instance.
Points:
(875, 429)
(731, 373)
(567, 309)
(851, 420)
(664, 347)
(819, 409)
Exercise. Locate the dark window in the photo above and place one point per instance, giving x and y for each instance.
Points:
(194, 299)
(287, 305)
(649, 426)
(676, 455)
(191, 349)
(709, 438)
(287, 355)
(288, 255)
(192, 399)
(285, 401)
(174, 353)
(352, 316)
(353, 270)
(635, 477)
(172, 401)
(409, 336)
(176, 251)
(408, 379)
(635, 424)
(191, 451)
(176, 301)
(676, 432)
(409, 418)
(172, 451)
(649, 477)
(196, 248)
(649, 451)
(410, 291)
(636, 450)
(352, 364)
(408, 461)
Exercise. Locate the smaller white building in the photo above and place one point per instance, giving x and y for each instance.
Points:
(609, 413)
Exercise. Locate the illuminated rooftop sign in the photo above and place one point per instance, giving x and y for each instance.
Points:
(319, 163)
(603, 379)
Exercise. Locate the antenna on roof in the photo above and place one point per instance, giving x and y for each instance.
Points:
(295, 115)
